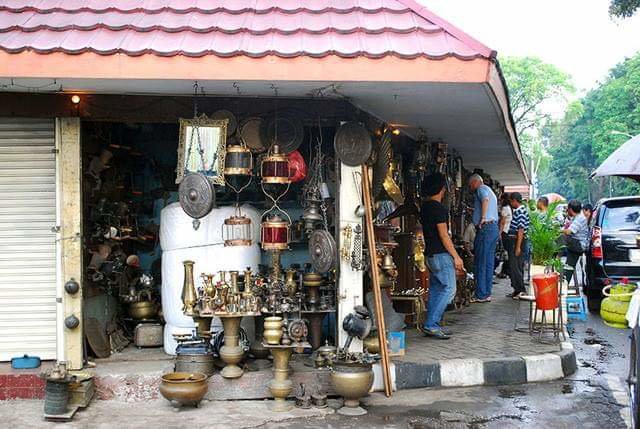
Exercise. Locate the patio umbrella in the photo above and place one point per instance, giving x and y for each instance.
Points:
(624, 161)
(553, 197)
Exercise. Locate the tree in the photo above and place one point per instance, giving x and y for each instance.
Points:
(583, 138)
(623, 8)
(533, 86)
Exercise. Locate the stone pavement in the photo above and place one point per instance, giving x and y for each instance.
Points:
(481, 331)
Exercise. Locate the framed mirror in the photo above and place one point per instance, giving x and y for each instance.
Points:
(202, 147)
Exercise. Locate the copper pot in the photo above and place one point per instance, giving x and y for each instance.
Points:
(143, 310)
(352, 381)
(183, 388)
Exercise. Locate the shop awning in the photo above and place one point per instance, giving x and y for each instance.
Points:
(392, 58)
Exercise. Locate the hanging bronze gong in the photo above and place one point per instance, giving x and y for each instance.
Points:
(197, 195)
(249, 132)
(232, 122)
(284, 129)
(322, 249)
(352, 144)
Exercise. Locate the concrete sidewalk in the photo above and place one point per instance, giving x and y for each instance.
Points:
(484, 349)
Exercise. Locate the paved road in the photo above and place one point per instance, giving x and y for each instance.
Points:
(594, 397)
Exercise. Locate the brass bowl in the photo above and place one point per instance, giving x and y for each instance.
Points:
(143, 310)
(183, 388)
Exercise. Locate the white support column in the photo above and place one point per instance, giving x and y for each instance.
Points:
(350, 282)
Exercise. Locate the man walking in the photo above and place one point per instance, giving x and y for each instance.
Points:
(485, 218)
(442, 258)
(515, 243)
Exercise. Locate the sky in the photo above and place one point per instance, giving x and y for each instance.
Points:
(578, 36)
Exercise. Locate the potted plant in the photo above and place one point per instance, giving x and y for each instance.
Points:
(544, 239)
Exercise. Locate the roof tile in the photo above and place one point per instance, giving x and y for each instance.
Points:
(316, 28)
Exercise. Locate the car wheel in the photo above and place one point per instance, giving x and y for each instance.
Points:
(593, 303)
(632, 380)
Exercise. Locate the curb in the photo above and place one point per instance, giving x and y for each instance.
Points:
(487, 372)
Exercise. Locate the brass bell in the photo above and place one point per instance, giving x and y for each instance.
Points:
(387, 263)
(311, 215)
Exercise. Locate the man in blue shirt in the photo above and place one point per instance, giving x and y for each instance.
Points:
(485, 218)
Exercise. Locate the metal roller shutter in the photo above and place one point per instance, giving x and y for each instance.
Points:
(27, 242)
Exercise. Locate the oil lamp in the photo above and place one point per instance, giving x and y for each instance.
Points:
(311, 215)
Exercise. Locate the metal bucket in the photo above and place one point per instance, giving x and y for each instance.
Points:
(192, 363)
(56, 398)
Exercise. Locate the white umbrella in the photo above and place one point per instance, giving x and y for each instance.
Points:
(624, 161)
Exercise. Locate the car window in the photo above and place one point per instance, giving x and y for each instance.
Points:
(622, 218)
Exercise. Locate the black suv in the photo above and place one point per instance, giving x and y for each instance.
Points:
(614, 251)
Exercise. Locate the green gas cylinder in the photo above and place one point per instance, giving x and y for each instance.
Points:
(614, 308)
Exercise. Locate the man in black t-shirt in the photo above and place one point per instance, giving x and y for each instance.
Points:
(441, 255)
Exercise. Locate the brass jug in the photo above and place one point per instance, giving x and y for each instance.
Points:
(189, 296)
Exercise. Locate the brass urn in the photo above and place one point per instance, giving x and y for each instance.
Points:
(352, 381)
(280, 387)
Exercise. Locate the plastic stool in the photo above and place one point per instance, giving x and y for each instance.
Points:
(576, 308)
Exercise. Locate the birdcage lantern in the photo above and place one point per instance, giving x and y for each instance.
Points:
(237, 230)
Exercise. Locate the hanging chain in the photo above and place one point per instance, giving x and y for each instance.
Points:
(195, 130)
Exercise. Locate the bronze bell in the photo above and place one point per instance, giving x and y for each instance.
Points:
(387, 262)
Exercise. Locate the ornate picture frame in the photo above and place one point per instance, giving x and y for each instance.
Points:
(212, 139)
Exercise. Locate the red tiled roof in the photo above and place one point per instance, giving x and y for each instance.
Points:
(255, 28)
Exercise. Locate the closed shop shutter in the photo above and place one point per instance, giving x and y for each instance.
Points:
(27, 243)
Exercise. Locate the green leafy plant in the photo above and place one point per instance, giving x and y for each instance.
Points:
(544, 236)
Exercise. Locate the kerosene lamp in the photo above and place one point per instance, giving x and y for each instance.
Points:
(275, 168)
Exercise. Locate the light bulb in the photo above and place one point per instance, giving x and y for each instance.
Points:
(75, 99)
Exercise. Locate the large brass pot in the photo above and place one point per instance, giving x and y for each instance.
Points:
(352, 381)
(183, 388)
(143, 310)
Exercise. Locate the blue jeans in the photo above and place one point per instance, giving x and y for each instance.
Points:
(442, 288)
(484, 248)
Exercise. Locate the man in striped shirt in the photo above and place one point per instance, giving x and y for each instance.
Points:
(516, 243)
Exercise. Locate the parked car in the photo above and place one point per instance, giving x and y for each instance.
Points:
(614, 251)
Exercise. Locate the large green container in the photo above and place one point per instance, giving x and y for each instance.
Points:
(614, 308)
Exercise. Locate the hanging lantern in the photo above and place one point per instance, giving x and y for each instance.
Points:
(238, 161)
(237, 230)
(312, 215)
(275, 168)
(275, 233)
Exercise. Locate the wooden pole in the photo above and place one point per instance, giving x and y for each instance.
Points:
(377, 293)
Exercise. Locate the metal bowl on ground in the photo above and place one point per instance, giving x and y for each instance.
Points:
(183, 388)
(143, 310)
(352, 381)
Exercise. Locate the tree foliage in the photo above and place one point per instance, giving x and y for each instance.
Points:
(533, 86)
(623, 8)
(583, 138)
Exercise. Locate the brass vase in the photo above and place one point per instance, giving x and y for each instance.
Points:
(352, 381)
(189, 296)
(272, 330)
(280, 387)
(231, 352)
(290, 283)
